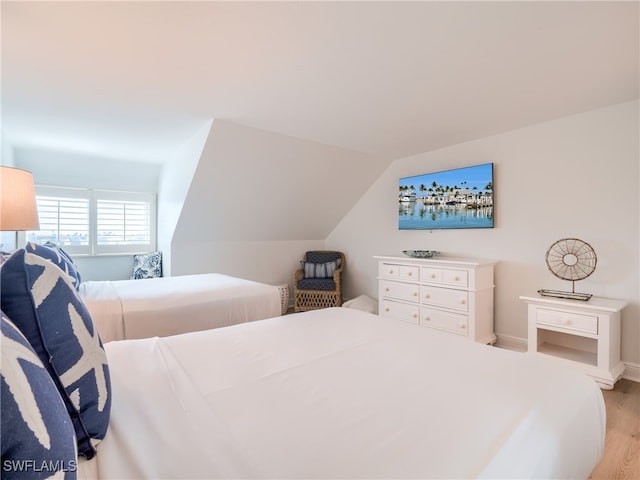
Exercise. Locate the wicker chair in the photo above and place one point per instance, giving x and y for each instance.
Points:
(313, 293)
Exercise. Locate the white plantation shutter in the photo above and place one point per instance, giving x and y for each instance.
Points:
(65, 219)
(123, 223)
(95, 222)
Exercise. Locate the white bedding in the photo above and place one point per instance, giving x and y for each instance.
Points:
(340, 393)
(130, 309)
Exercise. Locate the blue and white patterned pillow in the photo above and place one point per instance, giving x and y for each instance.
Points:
(4, 256)
(147, 265)
(57, 255)
(38, 439)
(320, 270)
(41, 301)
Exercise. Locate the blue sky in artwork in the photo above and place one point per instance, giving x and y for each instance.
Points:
(475, 176)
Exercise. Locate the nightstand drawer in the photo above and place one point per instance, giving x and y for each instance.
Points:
(452, 322)
(400, 311)
(445, 297)
(567, 321)
(404, 291)
(443, 275)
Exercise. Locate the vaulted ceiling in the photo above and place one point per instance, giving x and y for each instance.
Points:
(135, 80)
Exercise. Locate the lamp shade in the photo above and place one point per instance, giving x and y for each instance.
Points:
(18, 210)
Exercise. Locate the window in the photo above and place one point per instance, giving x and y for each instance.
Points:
(95, 222)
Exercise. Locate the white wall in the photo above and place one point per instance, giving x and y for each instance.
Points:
(175, 180)
(573, 177)
(259, 200)
(6, 150)
(70, 169)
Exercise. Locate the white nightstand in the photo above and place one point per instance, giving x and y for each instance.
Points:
(585, 333)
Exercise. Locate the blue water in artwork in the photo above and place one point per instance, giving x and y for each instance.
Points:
(418, 216)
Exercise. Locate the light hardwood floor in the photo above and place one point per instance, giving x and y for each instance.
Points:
(621, 458)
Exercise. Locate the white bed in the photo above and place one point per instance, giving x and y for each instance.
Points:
(340, 393)
(131, 309)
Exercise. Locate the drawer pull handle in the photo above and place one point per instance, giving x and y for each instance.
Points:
(427, 319)
(463, 302)
(415, 294)
(427, 296)
(386, 289)
(463, 326)
(566, 321)
(415, 315)
(433, 275)
(390, 271)
(410, 273)
(386, 309)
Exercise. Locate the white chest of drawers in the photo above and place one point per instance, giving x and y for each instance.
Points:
(449, 294)
(587, 334)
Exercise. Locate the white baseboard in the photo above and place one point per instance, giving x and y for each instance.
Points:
(631, 372)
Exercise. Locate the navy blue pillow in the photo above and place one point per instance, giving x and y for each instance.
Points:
(41, 301)
(38, 439)
(57, 255)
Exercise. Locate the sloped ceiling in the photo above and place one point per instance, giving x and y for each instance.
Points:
(135, 80)
(254, 185)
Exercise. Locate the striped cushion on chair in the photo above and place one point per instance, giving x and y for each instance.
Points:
(320, 270)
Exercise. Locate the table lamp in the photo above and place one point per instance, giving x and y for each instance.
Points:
(18, 209)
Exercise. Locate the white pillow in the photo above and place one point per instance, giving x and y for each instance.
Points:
(364, 303)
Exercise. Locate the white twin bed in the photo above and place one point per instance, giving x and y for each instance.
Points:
(129, 309)
(340, 393)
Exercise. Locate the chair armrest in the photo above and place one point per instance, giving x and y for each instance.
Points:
(337, 277)
(299, 275)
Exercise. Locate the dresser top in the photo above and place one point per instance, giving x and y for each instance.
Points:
(437, 260)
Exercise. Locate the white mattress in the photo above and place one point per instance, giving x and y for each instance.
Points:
(341, 393)
(130, 309)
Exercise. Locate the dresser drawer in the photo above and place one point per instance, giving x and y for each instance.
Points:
(449, 321)
(409, 272)
(404, 291)
(400, 311)
(400, 272)
(567, 321)
(429, 274)
(447, 276)
(445, 297)
(459, 278)
(389, 270)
